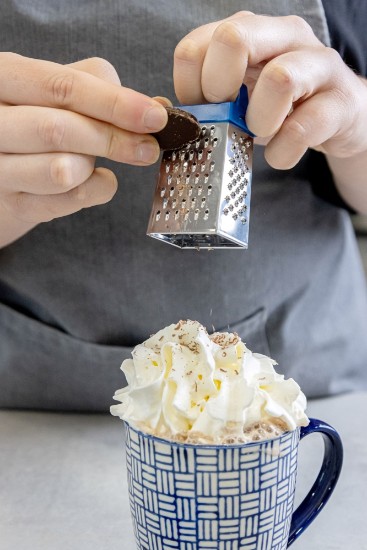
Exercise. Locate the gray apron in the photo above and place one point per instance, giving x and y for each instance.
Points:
(77, 293)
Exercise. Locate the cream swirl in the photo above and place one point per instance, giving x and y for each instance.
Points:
(184, 380)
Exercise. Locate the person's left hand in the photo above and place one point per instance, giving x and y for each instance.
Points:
(302, 94)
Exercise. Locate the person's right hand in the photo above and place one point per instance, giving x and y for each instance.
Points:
(55, 119)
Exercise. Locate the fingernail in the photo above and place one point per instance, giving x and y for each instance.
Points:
(163, 101)
(155, 119)
(147, 152)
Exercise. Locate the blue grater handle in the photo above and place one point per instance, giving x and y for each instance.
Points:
(231, 111)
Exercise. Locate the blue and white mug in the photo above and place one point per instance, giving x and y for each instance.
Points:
(224, 497)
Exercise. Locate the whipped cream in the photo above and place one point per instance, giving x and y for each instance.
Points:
(184, 380)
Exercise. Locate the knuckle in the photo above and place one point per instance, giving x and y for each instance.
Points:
(243, 13)
(59, 88)
(300, 25)
(333, 56)
(229, 34)
(104, 69)
(61, 172)
(115, 106)
(51, 130)
(296, 131)
(187, 51)
(112, 144)
(279, 76)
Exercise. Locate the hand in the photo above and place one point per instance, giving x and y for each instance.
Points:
(301, 92)
(55, 120)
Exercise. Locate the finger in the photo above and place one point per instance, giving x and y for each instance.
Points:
(229, 50)
(311, 124)
(27, 81)
(98, 67)
(31, 208)
(41, 174)
(268, 37)
(28, 129)
(189, 58)
(188, 62)
(187, 67)
(285, 80)
(263, 38)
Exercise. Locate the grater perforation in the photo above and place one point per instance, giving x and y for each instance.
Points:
(202, 196)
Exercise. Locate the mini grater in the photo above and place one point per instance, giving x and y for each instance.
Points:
(202, 197)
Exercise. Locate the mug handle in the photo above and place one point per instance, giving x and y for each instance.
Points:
(326, 481)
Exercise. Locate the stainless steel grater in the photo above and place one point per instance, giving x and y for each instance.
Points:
(202, 197)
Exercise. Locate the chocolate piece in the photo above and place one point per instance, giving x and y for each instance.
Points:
(182, 128)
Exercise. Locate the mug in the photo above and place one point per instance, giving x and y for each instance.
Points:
(224, 497)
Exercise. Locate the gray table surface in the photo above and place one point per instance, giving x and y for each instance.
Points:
(63, 483)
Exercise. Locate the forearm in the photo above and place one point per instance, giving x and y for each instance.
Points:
(12, 229)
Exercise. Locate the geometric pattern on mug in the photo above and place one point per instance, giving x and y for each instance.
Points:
(188, 497)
